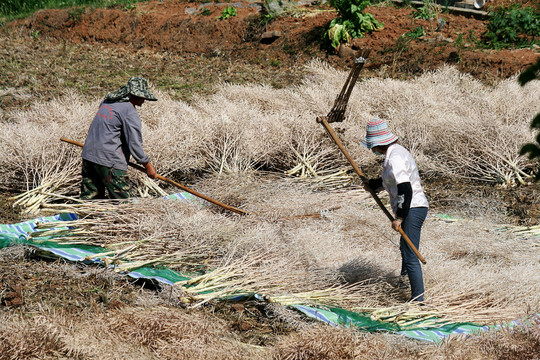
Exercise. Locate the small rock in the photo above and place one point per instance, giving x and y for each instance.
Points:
(270, 36)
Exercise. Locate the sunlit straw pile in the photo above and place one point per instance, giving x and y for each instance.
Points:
(346, 255)
(453, 125)
(296, 243)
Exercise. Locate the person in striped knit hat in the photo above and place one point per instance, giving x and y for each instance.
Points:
(400, 178)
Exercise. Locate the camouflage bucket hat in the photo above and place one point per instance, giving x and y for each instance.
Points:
(139, 87)
(136, 86)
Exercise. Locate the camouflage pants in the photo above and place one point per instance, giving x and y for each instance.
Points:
(97, 178)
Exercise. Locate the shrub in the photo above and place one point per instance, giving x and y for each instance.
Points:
(227, 13)
(427, 11)
(533, 150)
(351, 22)
(512, 26)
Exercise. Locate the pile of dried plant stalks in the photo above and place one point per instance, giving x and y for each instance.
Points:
(326, 248)
(453, 125)
(143, 324)
(296, 243)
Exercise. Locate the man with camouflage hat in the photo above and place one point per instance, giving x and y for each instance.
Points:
(114, 135)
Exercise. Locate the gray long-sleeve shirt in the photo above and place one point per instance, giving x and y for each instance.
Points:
(114, 135)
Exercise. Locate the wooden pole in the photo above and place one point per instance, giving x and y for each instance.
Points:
(333, 135)
(174, 183)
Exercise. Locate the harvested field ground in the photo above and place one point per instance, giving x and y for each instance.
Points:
(235, 116)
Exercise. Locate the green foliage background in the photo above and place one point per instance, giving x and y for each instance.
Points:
(532, 149)
(12, 9)
(512, 27)
(351, 21)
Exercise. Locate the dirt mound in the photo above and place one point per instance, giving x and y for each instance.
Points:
(190, 29)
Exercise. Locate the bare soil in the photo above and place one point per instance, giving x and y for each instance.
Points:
(183, 51)
(179, 47)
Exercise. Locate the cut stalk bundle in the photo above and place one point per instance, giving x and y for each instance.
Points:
(59, 175)
(316, 170)
(57, 187)
(407, 316)
(467, 305)
(248, 275)
(147, 236)
(524, 230)
(438, 313)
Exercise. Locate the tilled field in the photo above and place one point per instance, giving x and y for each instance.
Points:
(230, 104)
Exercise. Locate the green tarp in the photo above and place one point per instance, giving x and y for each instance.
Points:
(11, 234)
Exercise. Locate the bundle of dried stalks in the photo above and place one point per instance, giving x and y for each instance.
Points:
(137, 233)
(51, 179)
(31, 147)
(183, 237)
(245, 127)
(348, 242)
(454, 125)
(318, 164)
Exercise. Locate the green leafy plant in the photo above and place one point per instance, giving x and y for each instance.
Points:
(415, 33)
(512, 26)
(427, 11)
(227, 13)
(206, 12)
(351, 22)
(338, 34)
(129, 6)
(460, 42)
(532, 149)
(35, 34)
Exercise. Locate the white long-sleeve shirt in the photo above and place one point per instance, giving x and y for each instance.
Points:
(400, 167)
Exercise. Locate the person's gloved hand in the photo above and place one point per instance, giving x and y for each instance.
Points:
(374, 184)
(396, 224)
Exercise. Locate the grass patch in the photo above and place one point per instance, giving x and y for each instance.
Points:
(512, 27)
(14, 9)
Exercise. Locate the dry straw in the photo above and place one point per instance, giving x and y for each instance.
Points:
(346, 256)
(453, 125)
(307, 241)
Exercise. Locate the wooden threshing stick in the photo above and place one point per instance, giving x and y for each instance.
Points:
(336, 114)
(174, 183)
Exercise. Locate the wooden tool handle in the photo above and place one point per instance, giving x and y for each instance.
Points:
(334, 137)
(174, 183)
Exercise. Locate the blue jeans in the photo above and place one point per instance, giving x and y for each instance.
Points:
(410, 265)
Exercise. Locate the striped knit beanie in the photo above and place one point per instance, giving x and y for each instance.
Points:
(377, 134)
